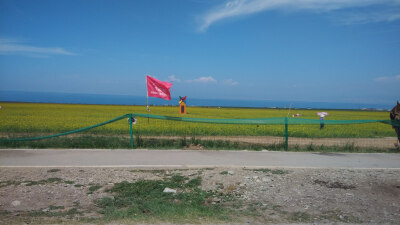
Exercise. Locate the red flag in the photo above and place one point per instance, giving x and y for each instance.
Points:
(158, 89)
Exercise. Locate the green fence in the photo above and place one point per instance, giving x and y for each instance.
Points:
(168, 126)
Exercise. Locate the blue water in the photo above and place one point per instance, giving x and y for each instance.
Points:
(42, 97)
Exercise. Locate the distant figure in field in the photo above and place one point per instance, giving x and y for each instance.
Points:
(395, 115)
(322, 124)
(321, 118)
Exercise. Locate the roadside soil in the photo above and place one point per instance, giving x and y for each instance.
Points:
(259, 196)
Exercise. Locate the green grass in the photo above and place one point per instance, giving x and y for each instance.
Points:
(272, 171)
(94, 188)
(55, 180)
(178, 143)
(49, 180)
(145, 200)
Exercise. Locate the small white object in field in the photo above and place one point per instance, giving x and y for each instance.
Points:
(169, 190)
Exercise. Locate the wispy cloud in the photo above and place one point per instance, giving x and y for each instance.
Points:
(387, 78)
(384, 10)
(16, 47)
(230, 82)
(173, 78)
(204, 80)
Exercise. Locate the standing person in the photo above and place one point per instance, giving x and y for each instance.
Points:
(321, 118)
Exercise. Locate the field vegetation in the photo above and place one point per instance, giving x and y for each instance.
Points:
(32, 119)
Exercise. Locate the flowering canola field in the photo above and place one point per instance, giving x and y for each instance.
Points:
(30, 119)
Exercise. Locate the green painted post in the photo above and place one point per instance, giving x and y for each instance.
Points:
(130, 125)
(286, 134)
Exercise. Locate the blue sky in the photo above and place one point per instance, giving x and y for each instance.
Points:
(303, 50)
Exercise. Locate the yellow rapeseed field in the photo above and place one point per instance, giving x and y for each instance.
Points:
(32, 118)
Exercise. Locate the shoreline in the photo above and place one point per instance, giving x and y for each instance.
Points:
(195, 106)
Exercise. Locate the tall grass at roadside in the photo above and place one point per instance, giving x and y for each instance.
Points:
(99, 142)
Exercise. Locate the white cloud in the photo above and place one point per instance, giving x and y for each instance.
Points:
(387, 78)
(208, 79)
(230, 82)
(235, 8)
(172, 78)
(368, 16)
(13, 46)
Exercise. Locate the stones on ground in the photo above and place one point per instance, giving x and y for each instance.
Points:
(216, 200)
(16, 203)
(230, 172)
(169, 190)
(264, 179)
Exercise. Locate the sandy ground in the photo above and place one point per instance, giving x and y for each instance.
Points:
(355, 196)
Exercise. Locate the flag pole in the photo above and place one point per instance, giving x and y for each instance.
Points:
(148, 108)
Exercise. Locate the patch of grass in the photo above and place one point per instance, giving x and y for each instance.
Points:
(53, 170)
(78, 185)
(9, 182)
(54, 207)
(145, 199)
(49, 180)
(224, 173)
(121, 142)
(94, 188)
(193, 183)
(71, 142)
(148, 171)
(208, 169)
(31, 183)
(69, 182)
(53, 179)
(272, 171)
(301, 217)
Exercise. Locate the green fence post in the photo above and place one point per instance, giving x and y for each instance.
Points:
(130, 125)
(286, 134)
